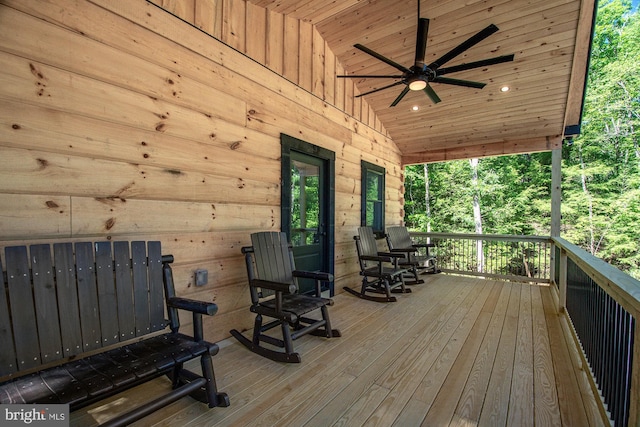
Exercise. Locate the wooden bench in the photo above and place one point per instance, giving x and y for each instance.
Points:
(81, 322)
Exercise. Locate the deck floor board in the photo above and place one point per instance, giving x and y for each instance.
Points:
(456, 352)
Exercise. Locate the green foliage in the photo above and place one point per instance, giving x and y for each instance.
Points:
(601, 168)
(305, 196)
(514, 195)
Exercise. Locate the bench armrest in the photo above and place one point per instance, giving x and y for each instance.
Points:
(195, 306)
(315, 275)
(286, 288)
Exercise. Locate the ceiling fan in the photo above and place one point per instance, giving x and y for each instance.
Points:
(419, 75)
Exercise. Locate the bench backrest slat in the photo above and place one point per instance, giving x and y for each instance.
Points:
(106, 294)
(124, 290)
(88, 296)
(8, 356)
(22, 311)
(67, 299)
(140, 287)
(44, 292)
(156, 288)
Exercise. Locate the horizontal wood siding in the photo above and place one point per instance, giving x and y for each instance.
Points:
(120, 121)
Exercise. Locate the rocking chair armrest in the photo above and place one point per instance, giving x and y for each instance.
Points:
(315, 275)
(286, 288)
(194, 306)
(391, 255)
(378, 258)
(405, 250)
(424, 245)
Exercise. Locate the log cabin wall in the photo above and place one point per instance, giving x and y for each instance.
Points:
(121, 121)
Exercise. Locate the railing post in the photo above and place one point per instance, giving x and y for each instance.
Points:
(552, 264)
(562, 285)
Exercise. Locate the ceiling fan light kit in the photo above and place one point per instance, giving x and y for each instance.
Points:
(417, 84)
(418, 76)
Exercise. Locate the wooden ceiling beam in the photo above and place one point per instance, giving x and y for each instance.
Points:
(516, 146)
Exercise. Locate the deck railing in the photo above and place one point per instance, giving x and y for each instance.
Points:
(519, 258)
(602, 304)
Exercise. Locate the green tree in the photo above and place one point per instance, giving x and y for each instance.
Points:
(602, 167)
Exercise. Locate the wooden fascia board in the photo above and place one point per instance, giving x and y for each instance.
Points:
(502, 148)
(580, 65)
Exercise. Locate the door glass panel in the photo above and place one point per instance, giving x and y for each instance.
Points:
(305, 203)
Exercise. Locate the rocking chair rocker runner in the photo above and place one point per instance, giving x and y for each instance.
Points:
(273, 287)
(399, 241)
(379, 270)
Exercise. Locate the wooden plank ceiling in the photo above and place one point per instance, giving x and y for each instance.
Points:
(550, 40)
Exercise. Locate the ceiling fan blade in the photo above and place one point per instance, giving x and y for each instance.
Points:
(421, 41)
(476, 64)
(399, 98)
(458, 82)
(353, 76)
(380, 88)
(471, 41)
(432, 94)
(381, 58)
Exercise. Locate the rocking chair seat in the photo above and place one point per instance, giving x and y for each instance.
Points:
(293, 306)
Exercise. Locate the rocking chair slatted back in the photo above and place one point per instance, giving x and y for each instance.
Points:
(272, 258)
(399, 237)
(367, 247)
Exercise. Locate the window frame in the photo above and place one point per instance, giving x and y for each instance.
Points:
(368, 169)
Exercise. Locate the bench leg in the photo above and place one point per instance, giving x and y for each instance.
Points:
(214, 398)
(174, 376)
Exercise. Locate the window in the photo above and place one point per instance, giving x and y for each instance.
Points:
(372, 206)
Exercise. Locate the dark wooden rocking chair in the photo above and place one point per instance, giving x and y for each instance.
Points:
(274, 293)
(417, 258)
(379, 270)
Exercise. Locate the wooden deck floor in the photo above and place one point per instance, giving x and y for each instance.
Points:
(455, 352)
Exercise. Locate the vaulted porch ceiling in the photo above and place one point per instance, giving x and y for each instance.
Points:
(550, 41)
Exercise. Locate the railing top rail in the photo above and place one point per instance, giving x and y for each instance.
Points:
(619, 285)
(473, 236)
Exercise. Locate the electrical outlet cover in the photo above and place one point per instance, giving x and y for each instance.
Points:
(202, 277)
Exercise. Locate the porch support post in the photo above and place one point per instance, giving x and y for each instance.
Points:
(562, 286)
(556, 191)
(556, 200)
